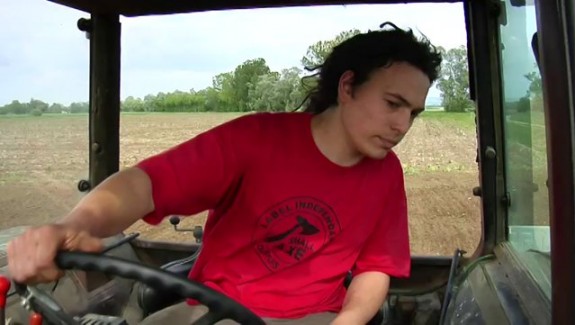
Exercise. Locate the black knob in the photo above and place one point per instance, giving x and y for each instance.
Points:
(84, 185)
(84, 24)
(198, 233)
(477, 191)
(174, 220)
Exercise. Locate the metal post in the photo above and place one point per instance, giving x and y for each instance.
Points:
(105, 36)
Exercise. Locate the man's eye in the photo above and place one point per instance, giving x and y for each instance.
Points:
(393, 104)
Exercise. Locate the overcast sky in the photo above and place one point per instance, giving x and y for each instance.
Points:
(44, 56)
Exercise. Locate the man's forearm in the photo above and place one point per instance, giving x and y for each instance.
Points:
(114, 205)
(365, 295)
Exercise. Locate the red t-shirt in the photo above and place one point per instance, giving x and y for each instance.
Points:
(285, 223)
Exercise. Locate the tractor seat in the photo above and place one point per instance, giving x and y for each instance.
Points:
(152, 300)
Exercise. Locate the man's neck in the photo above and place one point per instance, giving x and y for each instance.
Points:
(332, 139)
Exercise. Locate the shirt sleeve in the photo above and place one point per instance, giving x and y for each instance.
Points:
(196, 175)
(387, 249)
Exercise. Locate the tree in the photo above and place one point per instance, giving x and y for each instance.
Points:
(38, 106)
(533, 99)
(57, 108)
(277, 92)
(245, 77)
(318, 52)
(535, 86)
(316, 55)
(453, 81)
(264, 96)
(79, 107)
(15, 107)
(223, 85)
(131, 104)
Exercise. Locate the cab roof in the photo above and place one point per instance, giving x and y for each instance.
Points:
(133, 8)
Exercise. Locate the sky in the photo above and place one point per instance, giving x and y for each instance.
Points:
(44, 56)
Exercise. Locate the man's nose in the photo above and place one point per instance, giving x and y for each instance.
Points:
(402, 122)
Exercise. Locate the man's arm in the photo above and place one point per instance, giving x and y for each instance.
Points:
(185, 179)
(114, 205)
(385, 254)
(365, 295)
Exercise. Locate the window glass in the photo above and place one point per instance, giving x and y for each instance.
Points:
(525, 142)
(185, 83)
(43, 114)
(177, 83)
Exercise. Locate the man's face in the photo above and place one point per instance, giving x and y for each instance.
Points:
(379, 112)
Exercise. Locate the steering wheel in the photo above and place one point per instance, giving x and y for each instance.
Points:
(220, 306)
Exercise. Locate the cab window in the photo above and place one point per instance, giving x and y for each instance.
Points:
(264, 73)
(176, 84)
(44, 78)
(525, 143)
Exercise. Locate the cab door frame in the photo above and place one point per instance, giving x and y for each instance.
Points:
(556, 29)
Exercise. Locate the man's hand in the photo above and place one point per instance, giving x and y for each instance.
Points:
(365, 295)
(31, 255)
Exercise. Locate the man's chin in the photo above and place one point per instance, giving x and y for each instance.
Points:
(378, 154)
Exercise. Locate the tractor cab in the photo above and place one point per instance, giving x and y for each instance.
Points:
(519, 55)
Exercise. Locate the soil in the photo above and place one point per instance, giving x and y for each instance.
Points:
(43, 158)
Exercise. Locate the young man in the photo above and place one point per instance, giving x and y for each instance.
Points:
(296, 200)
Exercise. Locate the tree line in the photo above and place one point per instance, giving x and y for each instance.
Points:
(253, 86)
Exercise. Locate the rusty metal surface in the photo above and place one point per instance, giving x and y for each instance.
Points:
(498, 289)
(520, 280)
(486, 295)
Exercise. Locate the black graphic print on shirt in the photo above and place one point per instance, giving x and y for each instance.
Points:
(292, 230)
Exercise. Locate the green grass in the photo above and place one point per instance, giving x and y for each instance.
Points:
(430, 168)
(534, 117)
(464, 120)
(46, 115)
(59, 115)
(525, 141)
(527, 130)
(180, 113)
(13, 177)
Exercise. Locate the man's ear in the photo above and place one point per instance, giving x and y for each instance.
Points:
(345, 87)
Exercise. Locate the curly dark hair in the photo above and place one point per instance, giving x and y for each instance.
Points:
(366, 52)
